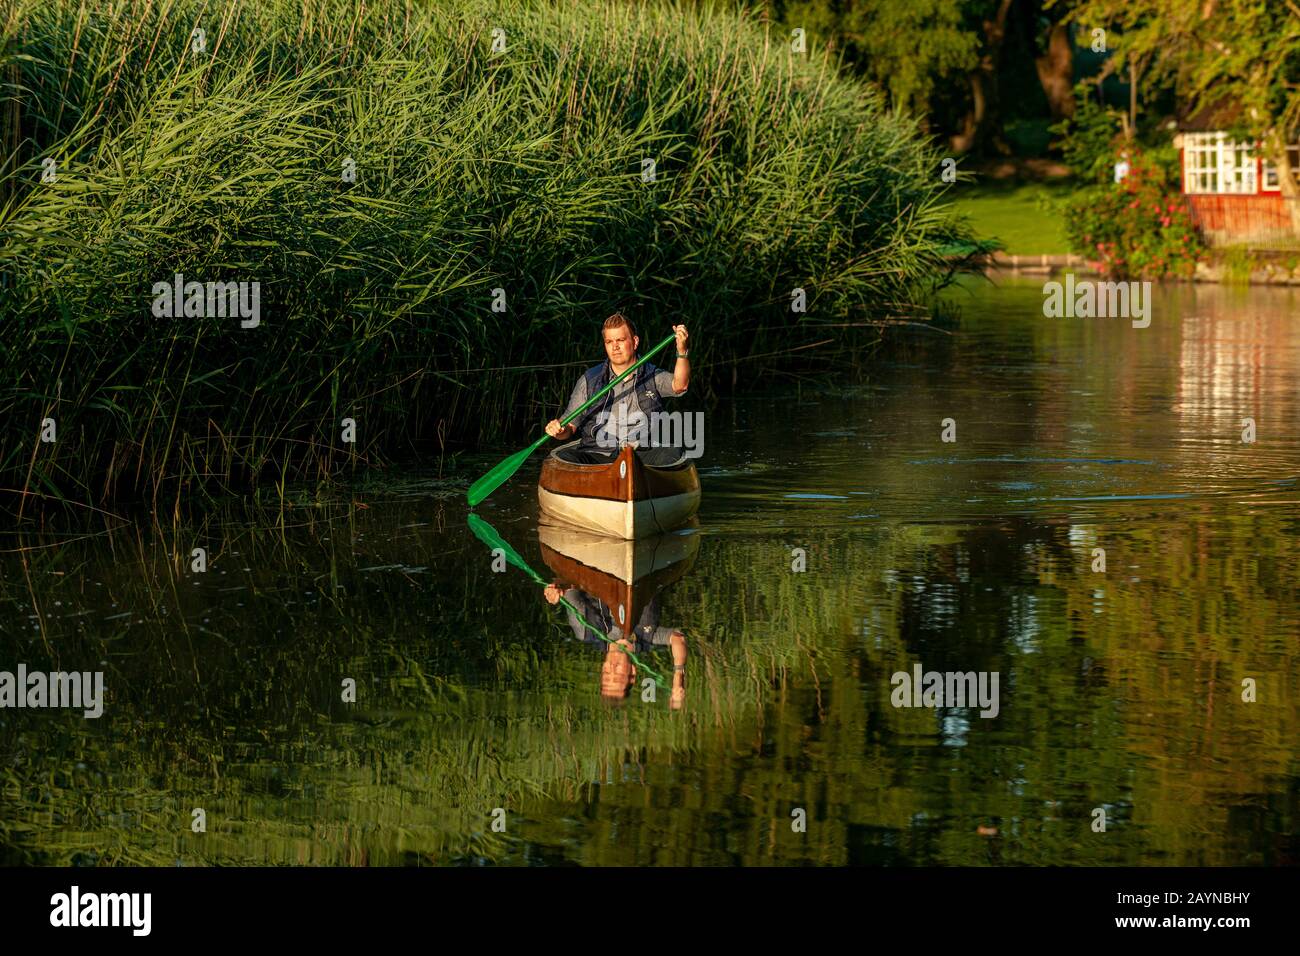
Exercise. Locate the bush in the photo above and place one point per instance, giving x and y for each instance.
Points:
(1138, 227)
(1090, 138)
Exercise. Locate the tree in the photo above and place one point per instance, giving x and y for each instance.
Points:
(907, 48)
(1239, 52)
(947, 60)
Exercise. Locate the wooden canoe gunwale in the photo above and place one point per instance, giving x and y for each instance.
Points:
(639, 483)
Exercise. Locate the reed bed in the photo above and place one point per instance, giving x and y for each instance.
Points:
(224, 158)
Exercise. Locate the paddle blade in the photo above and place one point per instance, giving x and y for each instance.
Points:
(488, 535)
(500, 474)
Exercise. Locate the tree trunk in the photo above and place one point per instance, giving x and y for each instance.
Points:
(990, 132)
(982, 128)
(1056, 72)
(1132, 98)
(964, 141)
(1286, 175)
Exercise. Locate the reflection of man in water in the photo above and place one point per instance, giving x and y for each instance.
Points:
(617, 672)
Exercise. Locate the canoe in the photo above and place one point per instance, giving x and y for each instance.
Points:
(624, 574)
(622, 499)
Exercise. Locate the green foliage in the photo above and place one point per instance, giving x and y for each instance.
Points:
(1030, 137)
(475, 171)
(905, 47)
(1236, 264)
(1240, 54)
(1090, 138)
(1139, 227)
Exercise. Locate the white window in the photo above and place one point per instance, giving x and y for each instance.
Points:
(1212, 163)
(1200, 163)
(1272, 179)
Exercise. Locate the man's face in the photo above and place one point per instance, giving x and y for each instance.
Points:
(620, 345)
(616, 673)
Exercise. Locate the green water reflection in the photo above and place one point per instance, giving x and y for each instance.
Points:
(1119, 690)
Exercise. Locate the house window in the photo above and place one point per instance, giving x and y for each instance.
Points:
(1272, 180)
(1201, 163)
(1237, 162)
(1212, 163)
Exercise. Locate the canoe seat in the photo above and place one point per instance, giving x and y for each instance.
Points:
(571, 454)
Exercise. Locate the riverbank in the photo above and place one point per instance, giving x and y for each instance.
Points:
(1026, 217)
(1281, 270)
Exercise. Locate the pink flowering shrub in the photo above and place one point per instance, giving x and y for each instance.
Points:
(1139, 227)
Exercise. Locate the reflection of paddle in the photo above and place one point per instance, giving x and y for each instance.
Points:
(499, 475)
(488, 535)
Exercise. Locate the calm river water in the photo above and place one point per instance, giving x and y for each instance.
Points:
(1121, 691)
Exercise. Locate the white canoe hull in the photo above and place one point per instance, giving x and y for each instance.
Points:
(621, 519)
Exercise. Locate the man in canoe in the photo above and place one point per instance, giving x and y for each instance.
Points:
(618, 671)
(643, 391)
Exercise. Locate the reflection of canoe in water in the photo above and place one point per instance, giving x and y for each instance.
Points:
(623, 574)
(623, 499)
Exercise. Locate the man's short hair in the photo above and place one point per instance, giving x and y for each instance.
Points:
(614, 321)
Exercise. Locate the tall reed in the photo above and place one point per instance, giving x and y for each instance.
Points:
(475, 171)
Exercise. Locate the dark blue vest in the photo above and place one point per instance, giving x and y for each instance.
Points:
(598, 376)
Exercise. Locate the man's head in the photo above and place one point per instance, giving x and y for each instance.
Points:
(617, 672)
(620, 340)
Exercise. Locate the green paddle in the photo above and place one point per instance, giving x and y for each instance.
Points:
(499, 475)
(488, 535)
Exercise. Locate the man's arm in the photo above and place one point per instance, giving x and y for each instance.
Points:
(674, 384)
(682, 370)
(576, 398)
(554, 591)
(678, 645)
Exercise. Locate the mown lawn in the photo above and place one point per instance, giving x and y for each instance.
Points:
(1027, 216)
